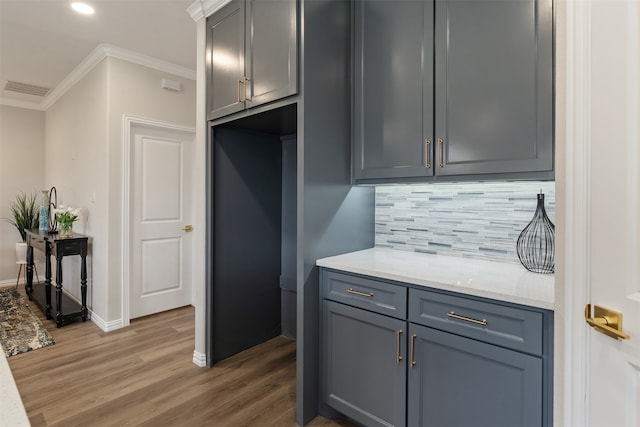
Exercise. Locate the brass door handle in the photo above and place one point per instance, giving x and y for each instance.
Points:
(398, 347)
(362, 294)
(440, 154)
(240, 82)
(413, 350)
(606, 321)
(427, 157)
(187, 228)
(246, 80)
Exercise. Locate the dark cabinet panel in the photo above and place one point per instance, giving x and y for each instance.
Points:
(494, 102)
(271, 57)
(251, 55)
(393, 117)
(363, 376)
(461, 382)
(225, 60)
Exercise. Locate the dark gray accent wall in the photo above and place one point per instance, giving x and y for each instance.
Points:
(247, 173)
(333, 217)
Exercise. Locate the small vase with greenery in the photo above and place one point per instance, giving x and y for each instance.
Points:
(24, 213)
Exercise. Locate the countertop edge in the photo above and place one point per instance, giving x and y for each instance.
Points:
(334, 264)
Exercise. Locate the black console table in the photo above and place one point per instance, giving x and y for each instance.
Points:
(55, 245)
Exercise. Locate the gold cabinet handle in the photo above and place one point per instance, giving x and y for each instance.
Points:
(246, 80)
(239, 90)
(188, 228)
(440, 154)
(413, 350)
(606, 321)
(362, 294)
(427, 157)
(398, 349)
(482, 322)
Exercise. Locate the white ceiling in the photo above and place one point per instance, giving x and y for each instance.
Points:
(43, 41)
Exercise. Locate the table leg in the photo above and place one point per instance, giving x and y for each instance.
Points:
(83, 285)
(29, 267)
(47, 284)
(58, 291)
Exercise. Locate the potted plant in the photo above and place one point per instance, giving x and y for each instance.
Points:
(24, 215)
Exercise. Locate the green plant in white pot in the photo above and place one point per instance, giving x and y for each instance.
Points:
(24, 216)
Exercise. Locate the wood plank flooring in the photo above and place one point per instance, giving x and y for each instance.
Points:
(143, 376)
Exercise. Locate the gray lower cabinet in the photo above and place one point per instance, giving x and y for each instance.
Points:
(457, 381)
(251, 55)
(394, 355)
(364, 373)
(453, 88)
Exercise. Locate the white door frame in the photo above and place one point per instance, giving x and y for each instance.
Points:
(574, 286)
(128, 122)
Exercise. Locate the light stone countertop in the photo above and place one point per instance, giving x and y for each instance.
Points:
(488, 279)
(12, 413)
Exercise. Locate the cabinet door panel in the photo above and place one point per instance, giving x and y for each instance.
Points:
(458, 381)
(494, 76)
(393, 105)
(361, 376)
(225, 60)
(271, 34)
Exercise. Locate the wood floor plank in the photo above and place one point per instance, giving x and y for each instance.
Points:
(143, 375)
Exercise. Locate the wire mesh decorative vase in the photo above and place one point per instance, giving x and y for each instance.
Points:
(536, 243)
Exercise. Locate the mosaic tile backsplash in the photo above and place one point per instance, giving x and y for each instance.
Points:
(475, 220)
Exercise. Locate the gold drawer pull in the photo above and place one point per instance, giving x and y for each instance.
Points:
(398, 355)
(362, 294)
(482, 322)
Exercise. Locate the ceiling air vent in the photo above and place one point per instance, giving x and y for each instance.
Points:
(26, 88)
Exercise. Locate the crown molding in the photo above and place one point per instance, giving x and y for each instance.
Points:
(29, 105)
(202, 8)
(94, 58)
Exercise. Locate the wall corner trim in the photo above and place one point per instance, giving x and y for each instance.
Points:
(104, 325)
(202, 8)
(199, 359)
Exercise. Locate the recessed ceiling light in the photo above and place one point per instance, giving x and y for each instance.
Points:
(83, 8)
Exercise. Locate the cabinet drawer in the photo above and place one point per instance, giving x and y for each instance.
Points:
(377, 296)
(510, 327)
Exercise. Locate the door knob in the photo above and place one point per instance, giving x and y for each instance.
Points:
(606, 321)
(187, 228)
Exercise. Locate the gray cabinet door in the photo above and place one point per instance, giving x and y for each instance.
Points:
(458, 381)
(493, 80)
(225, 60)
(361, 374)
(393, 105)
(271, 59)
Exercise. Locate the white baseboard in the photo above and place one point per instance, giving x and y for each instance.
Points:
(7, 283)
(199, 359)
(104, 325)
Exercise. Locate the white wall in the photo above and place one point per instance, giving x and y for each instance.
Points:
(84, 161)
(22, 142)
(135, 91)
(76, 148)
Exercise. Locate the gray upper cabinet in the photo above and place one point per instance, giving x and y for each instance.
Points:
(251, 55)
(453, 89)
(393, 117)
(494, 74)
(225, 60)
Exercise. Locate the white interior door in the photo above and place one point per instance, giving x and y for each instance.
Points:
(613, 366)
(161, 242)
